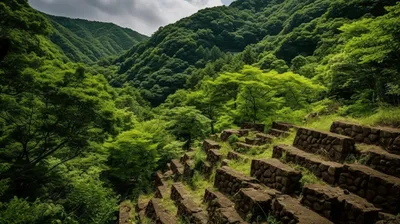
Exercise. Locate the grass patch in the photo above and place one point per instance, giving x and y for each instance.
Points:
(198, 185)
(389, 116)
(308, 176)
(225, 148)
(241, 166)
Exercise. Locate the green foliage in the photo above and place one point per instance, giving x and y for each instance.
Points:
(187, 123)
(233, 139)
(89, 41)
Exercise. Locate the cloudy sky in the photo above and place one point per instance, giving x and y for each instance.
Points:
(144, 16)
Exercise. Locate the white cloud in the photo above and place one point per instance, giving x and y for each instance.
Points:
(144, 16)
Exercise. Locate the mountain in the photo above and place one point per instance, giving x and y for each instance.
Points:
(282, 29)
(88, 41)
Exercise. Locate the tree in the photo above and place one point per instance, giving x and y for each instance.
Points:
(187, 124)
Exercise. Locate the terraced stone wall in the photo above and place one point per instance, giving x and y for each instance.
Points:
(333, 146)
(385, 137)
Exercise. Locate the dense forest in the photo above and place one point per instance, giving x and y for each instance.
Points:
(88, 41)
(84, 124)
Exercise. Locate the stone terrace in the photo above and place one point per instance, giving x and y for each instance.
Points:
(289, 210)
(389, 138)
(333, 146)
(326, 170)
(277, 175)
(230, 181)
(368, 193)
(338, 205)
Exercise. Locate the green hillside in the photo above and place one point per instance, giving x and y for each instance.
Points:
(89, 41)
(276, 30)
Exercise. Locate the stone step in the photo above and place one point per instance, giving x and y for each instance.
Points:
(215, 200)
(227, 133)
(379, 159)
(226, 216)
(178, 192)
(278, 133)
(265, 138)
(326, 170)
(339, 205)
(210, 144)
(333, 146)
(253, 126)
(251, 141)
(275, 174)
(289, 210)
(187, 156)
(380, 189)
(244, 146)
(205, 168)
(214, 156)
(386, 218)
(162, 192)
(252, 203)
(283, 126)
(158, 214)
(230, 181)
(140, 208)
(177, 167)
(190, 212)
(188, 170)
(159, 179)
(237, 156)
(388, 138)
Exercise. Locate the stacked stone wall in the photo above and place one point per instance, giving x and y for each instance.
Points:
(333, 146)
(388, 138)
(326, 170)
(229, 181)
(277, 175)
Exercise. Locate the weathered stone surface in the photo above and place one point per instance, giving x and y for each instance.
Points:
(388, 138)
(188, 170)
(158, 179)
(278, 133)
(265, 138)
(251, 203)
(189, 211)
(125, 213)
(237, 156)
(253, 141)
(333, 146)
(326, 170)
(289, 210)
(230, 181)
(205, 168)
(177, 167)
(178, 192)
(385, 218)
(379, 159)
(226, 216)
(187, 156)
(158, 214)
(252, 126)
(217, 199)
(210, 144)
(338, 205)
(283, 126)
(227, 133)
(276, 174)
(378, 188)
(225, 162)
(141, 208)
(162, 191)
(214, 156)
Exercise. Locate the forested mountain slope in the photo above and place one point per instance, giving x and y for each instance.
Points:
(282, 29)
(88, 41)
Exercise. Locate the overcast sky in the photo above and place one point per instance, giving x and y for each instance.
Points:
(144, 16)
